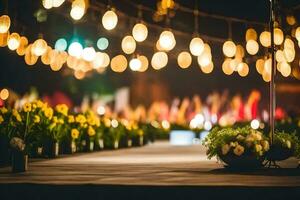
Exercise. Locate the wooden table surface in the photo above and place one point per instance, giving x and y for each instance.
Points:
(157, 164)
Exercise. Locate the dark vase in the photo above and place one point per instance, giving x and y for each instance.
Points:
(4, 151)
(51, 149)
(19, 161)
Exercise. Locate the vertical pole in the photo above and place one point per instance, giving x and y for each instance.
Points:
(273, 72)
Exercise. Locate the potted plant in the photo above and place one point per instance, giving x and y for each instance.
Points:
(240, 147)
(24, 136)
(285, 145)
(5, 131)
(54, 129)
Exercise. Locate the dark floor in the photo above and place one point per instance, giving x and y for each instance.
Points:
(158, 169)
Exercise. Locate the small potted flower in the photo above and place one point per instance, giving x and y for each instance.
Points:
(23, 137)
(237, 147)
(74, 138)
(5, 131)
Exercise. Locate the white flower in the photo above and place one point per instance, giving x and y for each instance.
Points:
(17, 144)
(238, 150)
(288, 144)
(240, 137)
(258, 148)
(265, 145)
(225, 149)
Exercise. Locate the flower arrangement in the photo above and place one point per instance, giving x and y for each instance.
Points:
(284, 146)
(237, 147)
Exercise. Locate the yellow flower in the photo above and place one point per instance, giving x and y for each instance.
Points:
(36, 119)
(27, 107)
(265, 145)
(71, 119)
(17, 115)
(62, 108)
(48, 112)
(52, 126)
(140, 132)
(225, 149)
(55, 119)
(3, 110)
(107, 122)
(238, 150)
(61, 121)
(258, 148)
(91, 120)
(1, 119)
(39, 104)
(91, 131)
(74, 133)
(80, 119)
(97, 121)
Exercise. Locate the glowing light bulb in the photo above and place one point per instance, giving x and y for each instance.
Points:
(88, 54)
(196, 46)
(109, 20)
(140, 32)
(167, 40)
(4, 23)
(13, 41)
(135, 64)
(61, 44)
(75, 49)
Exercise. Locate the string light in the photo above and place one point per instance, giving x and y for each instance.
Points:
(251, 34)
(229, 48)
(278, 36)
(196, 46)
(226, 67)
(128, 44)
(119, 63)
(102, 43)
(75, 49)
(144, 63)
(135, 64)
(260, 65)
(109, 20)
(243, 69)
(88, 54)
(61, 44)
(13, 41)
(4, 23)
(167, 40)
(159, 60)
(39, 47)
(184, 59)
(78, 9)
(252, 47)
(265, 38)
(140, 32)
(4, 94)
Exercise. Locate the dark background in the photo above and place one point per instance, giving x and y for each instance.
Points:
(151, 85)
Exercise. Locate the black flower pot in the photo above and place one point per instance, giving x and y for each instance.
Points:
(278, 153)
(51, 149)
(19, 161)
(242, 162)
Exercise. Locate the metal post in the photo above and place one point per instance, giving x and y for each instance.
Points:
(273, 73)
